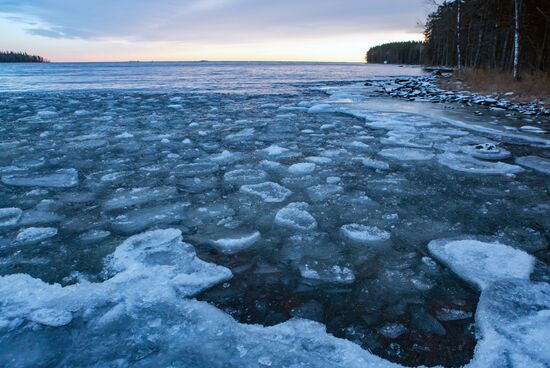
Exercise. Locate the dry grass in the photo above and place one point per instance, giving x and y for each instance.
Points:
(530, 88)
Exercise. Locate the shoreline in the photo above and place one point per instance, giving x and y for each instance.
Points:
(430, 88)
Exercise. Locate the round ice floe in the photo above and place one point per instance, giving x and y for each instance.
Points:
(52, 317)
(237, 242)
(487, 151)
(469, 164)
(532, 129)
(269, 192)
(10, 216)
(407, 154)
(320, 108)
(375, 164)
(302, 168)
(33, 235)
(295, 216)
(481, 263)
(327, 273)
(537, 163)
(245, 176)
(364, 234)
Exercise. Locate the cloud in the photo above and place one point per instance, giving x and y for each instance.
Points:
(231, 21)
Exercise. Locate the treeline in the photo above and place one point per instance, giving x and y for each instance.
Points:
(20, 57)
(491, 34)
(410, 52)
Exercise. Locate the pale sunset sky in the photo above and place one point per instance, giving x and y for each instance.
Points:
(286, 30)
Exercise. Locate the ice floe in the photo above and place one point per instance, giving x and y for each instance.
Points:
(472, 165)
(63, 178)
(295, 216)
(481, 263)
(537, 163)
(10, 216)
(236, 242)
(269, 192)
(33, 235)
(364, 233)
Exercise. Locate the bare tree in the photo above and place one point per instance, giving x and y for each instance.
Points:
(458, 51)
(517, 16)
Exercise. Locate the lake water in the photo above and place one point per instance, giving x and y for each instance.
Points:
(264, 214)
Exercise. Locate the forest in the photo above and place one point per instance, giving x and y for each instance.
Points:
(502, 35)
(20, 57)
(411, 52)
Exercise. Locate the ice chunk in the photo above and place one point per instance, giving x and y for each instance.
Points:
(322, 192)
(302, 168)
(164, 252)
(407, 154)
(141, 219)
(245, 176)
(536, 163)
(449, 314)
(331, 274)
(469, 164)
(375, 164)
(320, 108)
(52, 317)
(274, 150)
(513, 320)
(269, 192)
(34, 235)
(481, 263)
(94, 235)
(364, 234)
(295, 216)
(196, 169)
(64, 178)
(10, 216)
(487, 151)
(532, 129)
(392, 330)
(132, 197)
(236, 242)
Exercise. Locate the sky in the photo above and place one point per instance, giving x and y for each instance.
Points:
(258, 30)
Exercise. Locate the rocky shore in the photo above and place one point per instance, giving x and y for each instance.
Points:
(425, 88)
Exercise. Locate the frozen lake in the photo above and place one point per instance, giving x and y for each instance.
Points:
(265, 214)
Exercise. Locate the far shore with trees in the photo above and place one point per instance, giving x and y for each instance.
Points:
(491, 43)
(20, 57)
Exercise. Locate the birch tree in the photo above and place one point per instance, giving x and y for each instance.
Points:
(517, 16)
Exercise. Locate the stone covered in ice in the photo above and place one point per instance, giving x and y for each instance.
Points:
(407, 154)
(236, 242)
(34, 235)
(295, 216)
(269, 192)
(487, 151)
(537, 163)
(364, 233)
(469, 164)
(64, 178)
(10, 216)
(302, 168)
(481, 263)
